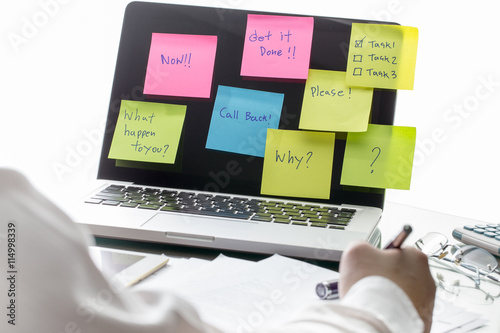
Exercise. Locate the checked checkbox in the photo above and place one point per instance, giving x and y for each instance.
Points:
(359, 42)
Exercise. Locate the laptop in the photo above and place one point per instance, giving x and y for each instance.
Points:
(212, 197)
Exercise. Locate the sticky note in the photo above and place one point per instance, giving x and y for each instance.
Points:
(180, 65)
(240, 120)
(298, 163)
(382, 56)
(147, 132)
(277, 46)
(381, 157)
(330, 105)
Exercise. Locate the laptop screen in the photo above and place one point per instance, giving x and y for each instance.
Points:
(208, 155)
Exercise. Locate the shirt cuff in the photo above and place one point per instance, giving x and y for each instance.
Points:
(387, 302)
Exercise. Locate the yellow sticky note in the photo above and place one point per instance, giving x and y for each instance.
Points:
(381, 157)
(330, 105)
(298, 163)
(382, 56)
(147, 132)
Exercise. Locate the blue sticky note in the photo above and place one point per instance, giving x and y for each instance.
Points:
(240, 120)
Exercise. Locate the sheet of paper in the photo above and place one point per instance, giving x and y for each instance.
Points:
(448, 318)
(180, 271)
(277, 46)
(147, 132)
(381, 157)
(180, 65)
(330, 105)
(272, 289)
(382, 56)
(237, 295)
(240, 120)
(298, 163)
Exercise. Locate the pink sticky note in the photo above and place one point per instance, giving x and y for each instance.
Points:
(180, 65)
(277, 46)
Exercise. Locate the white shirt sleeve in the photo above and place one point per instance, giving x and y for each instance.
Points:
(387, 302)
(53, 285)
(373, 305)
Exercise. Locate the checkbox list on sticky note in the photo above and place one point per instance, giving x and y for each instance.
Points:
(382, 56)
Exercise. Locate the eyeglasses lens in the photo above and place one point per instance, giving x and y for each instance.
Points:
(471, 255)
(432, 243)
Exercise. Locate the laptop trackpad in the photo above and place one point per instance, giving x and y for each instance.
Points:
(191, 226)
(180, 227)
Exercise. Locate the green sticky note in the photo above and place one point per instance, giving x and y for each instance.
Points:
(330, 105)
(147, 132)
(381, 157)
(382, 56)
(298, 163)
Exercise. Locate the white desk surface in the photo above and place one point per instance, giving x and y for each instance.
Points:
(422, 222)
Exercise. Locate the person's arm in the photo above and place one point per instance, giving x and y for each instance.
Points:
(57, 287)
(406, 267)
(381, 291)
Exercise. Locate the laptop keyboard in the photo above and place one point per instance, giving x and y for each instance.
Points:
(272, 211)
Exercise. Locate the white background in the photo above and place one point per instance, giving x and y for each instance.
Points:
(57, 62)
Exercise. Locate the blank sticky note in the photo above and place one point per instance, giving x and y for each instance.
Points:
(381, 157)
(147, 132)
(382, 56)
(240, 120)
(277, 46)
(298, 163)
(330, 105)
(180, 65)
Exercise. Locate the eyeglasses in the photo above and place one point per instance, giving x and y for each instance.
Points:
(452, 285)
(471, 262)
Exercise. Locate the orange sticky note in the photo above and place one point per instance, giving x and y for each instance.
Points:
(180, 65)
(277, 46)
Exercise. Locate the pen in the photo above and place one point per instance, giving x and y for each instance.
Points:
(330, 290)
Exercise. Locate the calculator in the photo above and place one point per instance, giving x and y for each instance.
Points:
(486, 236)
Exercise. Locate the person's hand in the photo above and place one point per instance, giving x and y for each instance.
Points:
(407, 267)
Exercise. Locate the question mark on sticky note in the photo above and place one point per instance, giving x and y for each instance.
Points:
(310, 155)
(378, 154)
